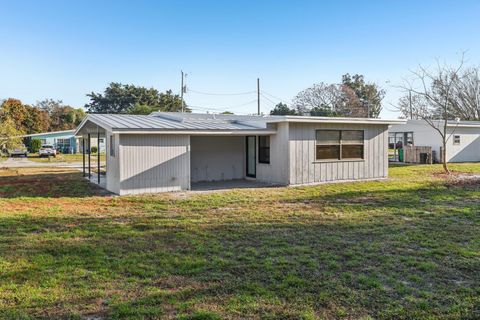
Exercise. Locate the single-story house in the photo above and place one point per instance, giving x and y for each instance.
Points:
(63, 141)
(463, 144)
(173, 151)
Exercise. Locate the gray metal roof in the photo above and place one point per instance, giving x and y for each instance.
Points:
(191, 122)
(152, 122)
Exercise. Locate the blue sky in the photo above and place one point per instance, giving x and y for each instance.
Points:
(65, 49)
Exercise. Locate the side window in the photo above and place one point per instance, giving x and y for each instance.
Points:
(112, 145)
(339, 144)
(264, 149)
(456, 139)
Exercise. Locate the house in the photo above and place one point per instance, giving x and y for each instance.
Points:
(463, 144)
(64, 141)
(174, 151)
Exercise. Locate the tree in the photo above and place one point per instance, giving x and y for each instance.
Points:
(29, 119)
(227, 112)
(465, 95)
(62, 117)
(436, 97)
(120, 98)
(369, 95)
(281, 109)
(323, 99)
(10, 135)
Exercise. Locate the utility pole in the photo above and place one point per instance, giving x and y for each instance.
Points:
(258, 95)
(181, 92)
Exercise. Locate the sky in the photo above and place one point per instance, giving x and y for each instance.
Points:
(66, 49)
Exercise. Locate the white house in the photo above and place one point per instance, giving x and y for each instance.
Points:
(173, 151)
(463, 144)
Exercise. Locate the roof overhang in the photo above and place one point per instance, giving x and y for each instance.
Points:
(308, 119)
(48, 133)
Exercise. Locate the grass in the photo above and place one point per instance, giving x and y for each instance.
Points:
(406, 248)
(78, 157)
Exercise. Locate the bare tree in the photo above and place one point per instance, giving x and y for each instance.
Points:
(435, 92)
(465, 97)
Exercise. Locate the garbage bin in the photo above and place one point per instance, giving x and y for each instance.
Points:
(400, 155)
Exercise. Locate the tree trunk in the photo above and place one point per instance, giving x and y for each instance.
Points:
(444, 156)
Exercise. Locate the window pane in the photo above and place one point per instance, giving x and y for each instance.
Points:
(328, 136)
(328, 152)
(264, 149)
(352, 136)
(352, 152)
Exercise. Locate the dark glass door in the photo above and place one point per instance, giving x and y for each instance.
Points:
(251, 156)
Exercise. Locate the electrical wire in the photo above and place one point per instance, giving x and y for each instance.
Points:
(264, 96)
(220, 94)
(271, 95)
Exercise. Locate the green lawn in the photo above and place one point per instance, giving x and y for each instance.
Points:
(404, 248)
(65, 158)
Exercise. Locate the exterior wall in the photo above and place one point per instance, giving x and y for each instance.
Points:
(425, 135)
(217, 158)
(277, 170)
(152, 163)
(113, 164)
(52, 138)
(304, 169)
(469, 148)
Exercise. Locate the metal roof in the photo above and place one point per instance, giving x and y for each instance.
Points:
(69, 132)
(194, 122)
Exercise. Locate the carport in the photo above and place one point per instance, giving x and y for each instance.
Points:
(86, 135)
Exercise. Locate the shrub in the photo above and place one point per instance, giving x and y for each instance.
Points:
(94, 149)
(35, 145)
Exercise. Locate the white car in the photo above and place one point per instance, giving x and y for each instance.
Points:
(47, 150)
(19, 151)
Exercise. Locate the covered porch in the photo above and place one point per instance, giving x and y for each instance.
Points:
(92, 138)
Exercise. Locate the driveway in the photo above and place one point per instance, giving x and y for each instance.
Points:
(25, 163)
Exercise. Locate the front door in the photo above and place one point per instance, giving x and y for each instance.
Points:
(251, 156)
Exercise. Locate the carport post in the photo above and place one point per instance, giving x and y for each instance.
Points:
(83, 154)
(89, 153)
(98, 157)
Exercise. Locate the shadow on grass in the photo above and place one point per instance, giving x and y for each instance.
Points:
(54, 183)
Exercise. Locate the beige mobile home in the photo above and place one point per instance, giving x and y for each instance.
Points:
(174, 151)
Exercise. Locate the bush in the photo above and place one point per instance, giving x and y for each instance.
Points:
(35, 145)
(94, 149)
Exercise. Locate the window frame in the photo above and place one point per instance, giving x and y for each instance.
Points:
(340, 146)
(455, 141)
(264, 158)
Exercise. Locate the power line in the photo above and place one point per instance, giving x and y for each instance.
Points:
(221, 94)
(274, 103)
(271, 95)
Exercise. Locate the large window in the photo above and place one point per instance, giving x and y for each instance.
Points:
(264, 149)
(339, 144)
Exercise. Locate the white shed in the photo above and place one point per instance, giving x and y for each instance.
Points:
(174, 151)
(463, 143)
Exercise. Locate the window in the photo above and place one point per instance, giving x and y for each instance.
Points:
(339, 144)
(63, 145)
(264, 149)
(112, 146)
(456, 139)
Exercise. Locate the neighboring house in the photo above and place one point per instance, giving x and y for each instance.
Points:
(171, 151)
(64, 141)
(463, 144)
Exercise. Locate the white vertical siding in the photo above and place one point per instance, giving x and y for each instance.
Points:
(277, 171)
(217, 158)
(305, 169)
(154, 163)
(113, 164)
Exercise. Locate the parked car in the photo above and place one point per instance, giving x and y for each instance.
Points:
(47, 150)
(19, 151)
